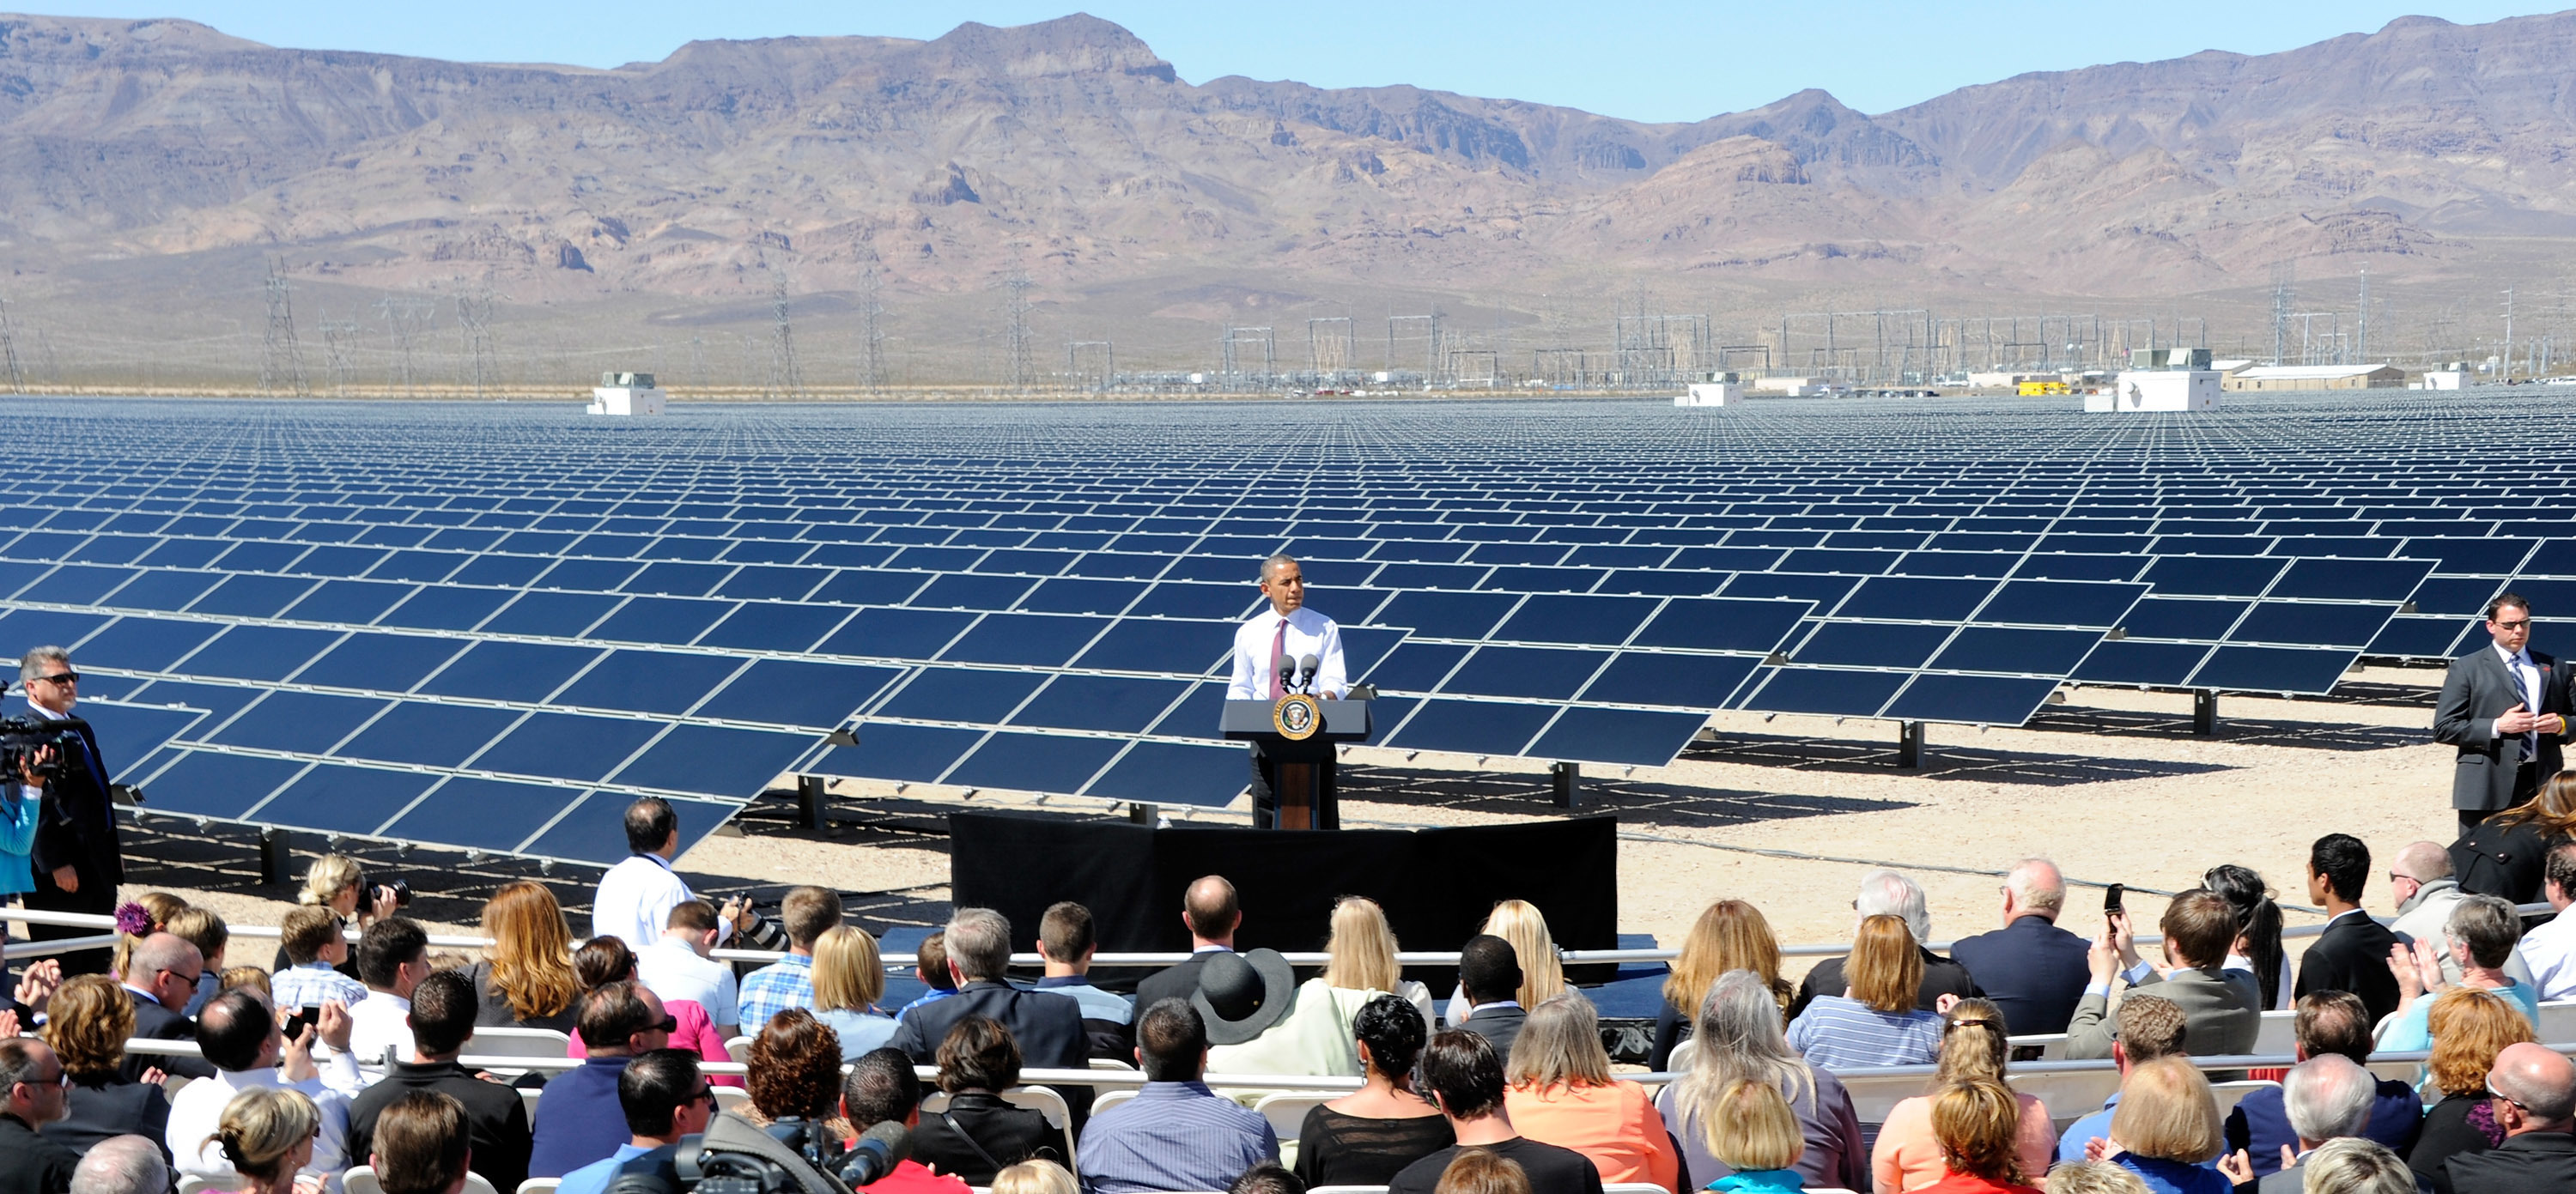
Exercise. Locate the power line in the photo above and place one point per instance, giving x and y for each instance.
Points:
(281, 364)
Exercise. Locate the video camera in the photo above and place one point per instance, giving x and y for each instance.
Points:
(790, 1156)
(25, 737)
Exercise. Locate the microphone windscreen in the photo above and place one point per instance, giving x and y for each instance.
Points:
(896, 1139)
(1306, 665)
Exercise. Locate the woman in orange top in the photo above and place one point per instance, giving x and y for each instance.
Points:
(1562, 1094)
(1976, 1123)
(1972, 1049)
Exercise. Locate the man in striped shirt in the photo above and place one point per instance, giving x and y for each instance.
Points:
(1176, 1134)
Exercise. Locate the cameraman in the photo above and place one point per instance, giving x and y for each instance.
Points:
(664, 1098)
(76, 857)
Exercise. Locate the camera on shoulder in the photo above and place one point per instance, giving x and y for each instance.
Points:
(790, 1156)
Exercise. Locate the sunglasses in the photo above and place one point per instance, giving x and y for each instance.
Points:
(61, 678)
(668, 1024)
(2513, 625)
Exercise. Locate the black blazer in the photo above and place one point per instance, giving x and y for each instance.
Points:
(2352, 955)
(99, 1106)
(33, 1164)
(1179, 980)
(1501, 1025)
(1047, 1027)
(496, 1121)
(2033, 970)
(2531, 1163)
(153, 1022)
(979, 1135)
(2477, 691)
(1941, 976)
(77, 828)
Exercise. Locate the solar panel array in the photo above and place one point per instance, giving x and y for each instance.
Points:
(492, 626)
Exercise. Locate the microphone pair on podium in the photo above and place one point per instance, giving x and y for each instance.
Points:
(1296, 673)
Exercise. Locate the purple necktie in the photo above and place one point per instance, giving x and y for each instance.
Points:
(1278, 644)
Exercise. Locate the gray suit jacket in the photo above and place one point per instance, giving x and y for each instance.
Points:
(2220, 1016)
(2476, 692)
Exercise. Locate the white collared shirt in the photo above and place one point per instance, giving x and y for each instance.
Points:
(2550, 951)
(672, 970)
(635, 900)
(197, 1112)
(1309, 633)
(379, 1023)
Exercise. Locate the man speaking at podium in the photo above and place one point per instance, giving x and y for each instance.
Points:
(1286, 628)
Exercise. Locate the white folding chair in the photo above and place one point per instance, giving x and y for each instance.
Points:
(1631, 1188)
(1348, 1190)
(518, 1042)
(739, 1048)
(2231, 1093)
(193, 1184)
(539, 1185)
(2558, 1020)
(1874, 1096)
(361, 1179)
(528, 1096)
(1683, 1054)
(1286, 1109)
(1110, 1098)
(1112, 1065)
(732, 1098)
(2072, 1095)
(2277, 1035)
(2052, 1045)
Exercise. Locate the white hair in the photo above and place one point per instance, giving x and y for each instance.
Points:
(2028, 890)
(1886, 893)
(2327, 1097)
(40, 662)
(2354, 1165)
(121, 1165)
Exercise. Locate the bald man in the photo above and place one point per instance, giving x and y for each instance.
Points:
(2427, 892)
(1211, 912)
(2033, 970)
(2535, 1103)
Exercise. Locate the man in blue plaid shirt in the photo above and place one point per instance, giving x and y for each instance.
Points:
(808, 913)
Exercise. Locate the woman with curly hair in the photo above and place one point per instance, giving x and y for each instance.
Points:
(525, 979)
(1976, 1124)
(1366, 1138)
(1729, 935)
(87, 1022)
(795, 1066)
(604, 960)
(1972, 1050)
(2469, 1028)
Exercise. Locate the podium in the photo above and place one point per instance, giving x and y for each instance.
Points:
(1298, 735)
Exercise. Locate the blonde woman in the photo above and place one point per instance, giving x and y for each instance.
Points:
(1561, 1093)
(1740, 1040)
(849, 978)
(1036, 1177)
(525, 979)
(1758, 1137)
(1873, 1022)
(1360, 954)
(335, 881)
(1972, 1050)
(158, 907)
(266, 1136)
(1729, 935)
(2166, 1128)
(1542, 974)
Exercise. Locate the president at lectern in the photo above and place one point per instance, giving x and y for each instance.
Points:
(1287, 629)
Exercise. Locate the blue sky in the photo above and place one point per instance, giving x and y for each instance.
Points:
(1641, 59)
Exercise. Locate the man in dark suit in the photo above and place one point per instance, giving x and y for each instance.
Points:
(496, 1119)
(36, 1095)
(160, 977)
(2220, 1015)
(2033, 970)
(1212, 913)
(2534, 1100)
(1887, 893)
(2330, 1024)
(2352, 954)
(1491, 976)
(1047, 1026)
(77, 859)
(2505, 707)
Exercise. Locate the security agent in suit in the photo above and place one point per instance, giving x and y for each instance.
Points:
(1212, 912)
(2352, 954)
(2505, 707)
(2033, 971)
(2220, 1014)
(77, 859)
(160, 977)
(1286, 628)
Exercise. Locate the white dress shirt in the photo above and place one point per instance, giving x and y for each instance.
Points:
(2550, 951)
(1309, 633)
(672, 970)
(197, 1112)
(635, 900)
(2527, 682)
(378, 1023)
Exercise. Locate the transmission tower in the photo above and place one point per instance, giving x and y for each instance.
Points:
(405, 318)
(872, 370)
(1015, 332)
(786, 379)
(281, 364)
(338, 336)
(474, 326)
(2280, 312)
(9, 352)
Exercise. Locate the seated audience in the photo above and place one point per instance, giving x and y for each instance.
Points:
(1268, 1177)
(2535, 1105)
(420, 1145)
(795, 1066)
(87, 1023)
(2421, 879)
(310, 935)
(1874, 1020)
(266, 1137)
(2032, 970)
(1739, 1039)
(1465, 1080)
(2505, 855)
(2257, 952)
(2150, 1027)
(1729, 935)
(1887, 893)
(242, 1039)
(2352, 954)
(525, 979)
(604, 960)
(1036, 1177)
(578, 1119)
(31, 1162)
(1489, 979)
(1907, 1154)
(882, 1088)
(980, 1134)
(161, 973)
(2481, 932)
(153, 910)
(1065, 945)
(122, 1165)
(1477, 1172)
(251, 977)
(1176, 1134)
(1260, 1021)
(1976, 1125)
(2470, 1029)
(443, 1008)
(2166, 1128)
(2329, 1023)
(2326, 1098)
(677, 967)
(392, 957)
(848, 980)
(1561, 1093)
(202, 928)
(1365, 1138)
(2217, 1005)
(1359, 954)
(664, 1098)
(807, 912)
(1757, 1139)
(2550, 950)
(1047, 1027)
(2356, 1166)
(1533, 949)
(2092, 1177)
(930, 965)
(1211, 912)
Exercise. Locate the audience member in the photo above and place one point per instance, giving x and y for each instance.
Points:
(393, 956)
(314, 947)
(1465, 1080)
(930, 965)
(1887, 893)
(2421, 879)
(2150, 1027)
(1533, 947)
(1729, 935)
(1477, 1171)
(122, 1165)
(676, 965)
(2356, 1166)
(2198, 927)
(2535, 1106)
(1035, 1177)
(1359, 954)
(2032, 970)
(267, 1137)
(2550, 950)
(1875, 1020)
(2329, 1023)
(2506, 855)
(1756, 1137)
(1975, 1125)
(2470, 1030)
(664, 1098)
(849, 978)
(979, 1134)
(420, 1145)
(882, 1088)
(1268, 1177)
(443, 1008)
(1908, 1153)
(636, 896)
(795, 1066)
(2257, 951)
(578, 1120)
(2326, 1097)
(2352, 954)
(1211, 912)
(30, 1161)
(1047, 1027)
(1065, 945)
(1561, 1092)
(2166, 1128)
(807, 912)
(202, 928)
(249, 977)
(604, 960)
(1490, 976)
(244, 1041)
(1365, 1138)
(1261, 1021)
(338, 883)
(1176, 1134)
(1739, 1039)
(2481, 933)
(525, 979)
(2093, 1177)
(87, 1022)
(161, 973)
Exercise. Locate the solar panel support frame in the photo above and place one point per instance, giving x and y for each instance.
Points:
(1565, 784)
(1909, 745)
(2204, 712)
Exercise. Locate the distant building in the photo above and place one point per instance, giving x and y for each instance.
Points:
(2317, 377)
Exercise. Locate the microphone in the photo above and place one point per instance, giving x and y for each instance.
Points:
(1306, 665)
(875, 1153)
(1285, 667)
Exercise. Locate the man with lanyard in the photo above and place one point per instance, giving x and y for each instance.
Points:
(77, 860)
(1286, 628)
(636, 896)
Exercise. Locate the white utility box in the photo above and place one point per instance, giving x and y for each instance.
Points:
(626, 394)
(2164, 389)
